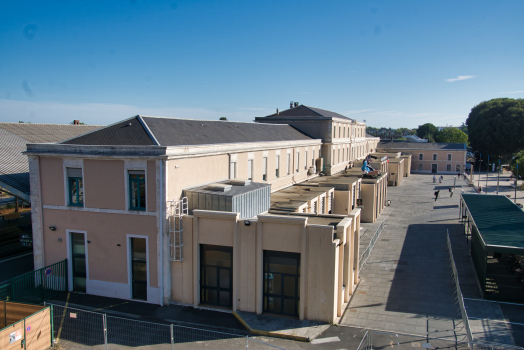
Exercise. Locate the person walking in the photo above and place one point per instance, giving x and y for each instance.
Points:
(450, 192)
(434, 179)
(436, 194)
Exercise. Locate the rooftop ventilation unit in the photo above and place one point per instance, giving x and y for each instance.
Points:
(240, 182)
(219, 187)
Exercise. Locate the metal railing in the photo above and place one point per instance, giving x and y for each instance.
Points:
(459, 297)
(75, 328)
(386, 340)
(36, 286)
(367, 252)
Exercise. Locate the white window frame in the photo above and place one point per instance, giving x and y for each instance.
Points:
(233, 170)
(421, 156)
(448, 166)
(449, 157)
(298, 162)
(305, 160)
(277, 166)
(288, 163)
(457, 167)
(250, 169)
(264, 169)
(435, 156)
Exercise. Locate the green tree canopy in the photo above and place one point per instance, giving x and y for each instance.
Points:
(427, 131)
(519, 158)
(452, 135)
(496, 127)
(223, 118)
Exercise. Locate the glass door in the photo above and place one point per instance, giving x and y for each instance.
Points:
(216, 279)
(78, 257)
(139, 268)
(281, 282)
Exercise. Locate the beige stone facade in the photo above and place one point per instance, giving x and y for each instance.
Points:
(120, 223)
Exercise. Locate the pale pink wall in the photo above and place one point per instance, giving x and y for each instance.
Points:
(151, 185)
(182, 272)
(216, 231)
(247, 285)
(107, 261)
(104, 184)
(52, 181)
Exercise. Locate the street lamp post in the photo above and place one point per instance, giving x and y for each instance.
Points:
(487, 174)
(480, 160)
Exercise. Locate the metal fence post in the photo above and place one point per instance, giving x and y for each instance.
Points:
(172, 337)
(105, 330)
(52, 326)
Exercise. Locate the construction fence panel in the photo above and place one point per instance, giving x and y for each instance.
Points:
(31, 333)
(367, 252)
(75, 328)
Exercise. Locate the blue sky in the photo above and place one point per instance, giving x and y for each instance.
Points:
(391, 63)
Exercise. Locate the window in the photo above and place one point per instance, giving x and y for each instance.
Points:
(288, 163)
(339, 133)
(233, 170)
(421, 156)
(333, 162)
(277, 167)
(305, 160)
(344, 132)
(434, 156)
(338, 159)
(298, 162)
(449, 156)
(264, 169)
(137, 190)
(250, 169)
(76, 187)
(420, 166)
(457, 168)
(313, 159)
(448, 167)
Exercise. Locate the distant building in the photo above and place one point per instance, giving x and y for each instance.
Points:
(431, 157)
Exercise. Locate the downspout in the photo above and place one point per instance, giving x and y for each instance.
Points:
(163, 203)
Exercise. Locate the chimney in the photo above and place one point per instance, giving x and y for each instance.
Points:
(296, 104)
(76, 122)
(277, 112)
(291, 104)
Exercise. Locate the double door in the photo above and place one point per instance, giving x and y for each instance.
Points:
(281, 282)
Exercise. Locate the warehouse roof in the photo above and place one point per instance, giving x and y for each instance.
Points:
(143, 130)
(499, 221)
(14, 167)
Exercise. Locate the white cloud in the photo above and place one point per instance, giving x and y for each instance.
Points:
(105, 113)
(460, 77)
(512, 92)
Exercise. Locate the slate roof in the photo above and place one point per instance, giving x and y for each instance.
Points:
(305, 112)
(421, 146)
(14, 166)
(143, 130)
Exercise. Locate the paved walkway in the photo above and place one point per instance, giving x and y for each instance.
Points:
(406, 286)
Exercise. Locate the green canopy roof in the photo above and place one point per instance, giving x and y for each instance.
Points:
(499, 221)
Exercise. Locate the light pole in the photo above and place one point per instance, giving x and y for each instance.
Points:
(480, 160)
(487, 174)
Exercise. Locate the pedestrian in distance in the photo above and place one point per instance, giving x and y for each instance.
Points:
(434, 179)
(436, 194)
(450, 192)
(440, 180)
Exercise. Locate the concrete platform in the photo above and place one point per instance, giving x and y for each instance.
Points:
(281, 327)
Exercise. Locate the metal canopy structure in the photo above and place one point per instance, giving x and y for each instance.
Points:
(499, 222)
(496, 226)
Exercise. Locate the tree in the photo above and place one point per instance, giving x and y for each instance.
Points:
(223, 118)
(452, 135)
(496, 127)
(427, 131)
(519, 158)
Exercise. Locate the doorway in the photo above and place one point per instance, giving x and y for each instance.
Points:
(434, 168)
(216, 275)
(138, 268)
(281, 282)
(78, 260)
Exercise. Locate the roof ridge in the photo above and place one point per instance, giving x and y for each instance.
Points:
(209, 120)
(92, 131)
(13, 123)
